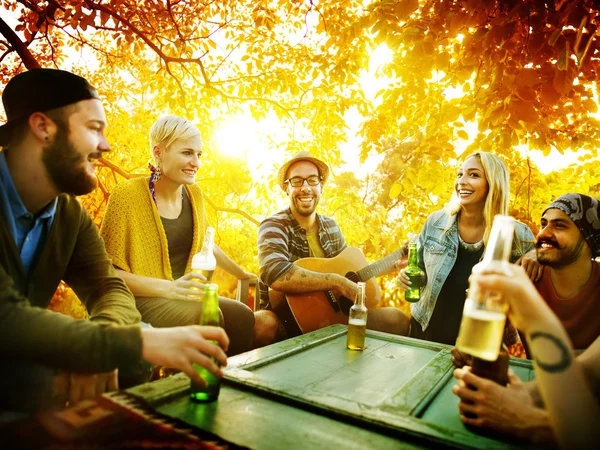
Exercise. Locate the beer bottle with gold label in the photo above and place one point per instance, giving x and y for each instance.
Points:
(204, 261)
(357, 323)
(211, 317)
(413, 271)
(484, 313)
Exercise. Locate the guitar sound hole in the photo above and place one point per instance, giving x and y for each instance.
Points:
(353, 276)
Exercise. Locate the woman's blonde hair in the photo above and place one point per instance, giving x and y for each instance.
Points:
(169, 129)
(498, 197)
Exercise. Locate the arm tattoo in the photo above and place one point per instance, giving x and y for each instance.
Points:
(565, 356)
(289, 274)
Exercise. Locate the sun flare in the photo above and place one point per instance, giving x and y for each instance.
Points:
(237, 136)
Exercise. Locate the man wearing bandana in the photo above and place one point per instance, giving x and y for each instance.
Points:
(567, 243)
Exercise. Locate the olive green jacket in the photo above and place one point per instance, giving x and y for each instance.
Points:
(74, 252)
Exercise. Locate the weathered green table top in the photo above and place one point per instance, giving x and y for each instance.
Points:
(310, 392)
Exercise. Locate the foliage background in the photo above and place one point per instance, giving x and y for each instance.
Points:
(512, 77)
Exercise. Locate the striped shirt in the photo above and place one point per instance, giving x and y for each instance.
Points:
(281, 241)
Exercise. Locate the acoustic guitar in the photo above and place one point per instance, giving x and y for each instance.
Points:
(315, 310)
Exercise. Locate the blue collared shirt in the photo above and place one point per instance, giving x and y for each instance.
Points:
(28, 231)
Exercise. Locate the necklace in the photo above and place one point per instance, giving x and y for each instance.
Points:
(474, 247)
(469, 247)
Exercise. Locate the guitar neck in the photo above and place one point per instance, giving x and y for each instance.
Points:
(378, 267)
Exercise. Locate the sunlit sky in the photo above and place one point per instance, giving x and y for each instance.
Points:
(243, 137)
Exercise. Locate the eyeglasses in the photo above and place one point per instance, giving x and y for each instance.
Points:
(313, 180)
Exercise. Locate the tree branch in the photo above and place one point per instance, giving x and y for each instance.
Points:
(166, 58)
(128, 176)
(116, 169)
(18, 46)
(29, 5)
(256, 99)
(231, 210)
(83, 41)
(170, 11)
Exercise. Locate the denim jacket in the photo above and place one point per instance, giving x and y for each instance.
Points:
(438, 252)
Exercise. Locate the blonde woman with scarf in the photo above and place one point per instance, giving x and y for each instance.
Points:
(154, 225)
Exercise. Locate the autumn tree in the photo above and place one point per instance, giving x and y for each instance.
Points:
(510, 77)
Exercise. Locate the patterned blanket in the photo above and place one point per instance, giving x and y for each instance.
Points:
(116, 420)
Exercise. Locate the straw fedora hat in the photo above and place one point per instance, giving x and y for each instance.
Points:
(303, 156)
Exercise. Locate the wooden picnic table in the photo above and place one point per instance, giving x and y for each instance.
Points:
(310, 392)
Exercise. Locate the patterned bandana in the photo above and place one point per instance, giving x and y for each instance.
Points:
(584, 211)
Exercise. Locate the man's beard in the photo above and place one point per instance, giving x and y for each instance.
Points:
(565, 256)
(66, 166)
(303, 211)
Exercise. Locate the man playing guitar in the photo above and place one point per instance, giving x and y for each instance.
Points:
(296, 233)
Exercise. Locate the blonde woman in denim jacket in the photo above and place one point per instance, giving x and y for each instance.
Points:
(452, 241)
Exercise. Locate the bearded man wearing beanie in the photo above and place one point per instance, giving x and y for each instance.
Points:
(567, 244)
(53, 135)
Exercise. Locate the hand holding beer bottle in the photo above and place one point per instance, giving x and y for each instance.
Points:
(497, 370)
(484, 313)
(357, 323)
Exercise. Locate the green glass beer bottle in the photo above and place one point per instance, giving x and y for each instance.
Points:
(484, 314)
(413, 271)
(210, 316)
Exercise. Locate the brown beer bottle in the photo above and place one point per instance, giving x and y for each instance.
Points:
(496, 371)
(493, 370)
